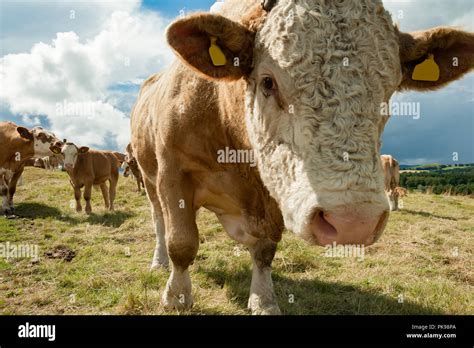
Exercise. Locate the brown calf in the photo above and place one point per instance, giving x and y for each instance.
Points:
(91, 167)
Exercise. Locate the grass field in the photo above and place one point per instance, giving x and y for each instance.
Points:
(423, 264)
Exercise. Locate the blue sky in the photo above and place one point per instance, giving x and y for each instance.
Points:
(93, 55)
(172, 8)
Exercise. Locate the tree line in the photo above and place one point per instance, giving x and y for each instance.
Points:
(456, 181)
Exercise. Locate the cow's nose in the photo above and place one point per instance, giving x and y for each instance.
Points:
(348, 225)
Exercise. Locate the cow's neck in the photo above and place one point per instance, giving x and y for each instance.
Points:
(18, 155)
(255, 198)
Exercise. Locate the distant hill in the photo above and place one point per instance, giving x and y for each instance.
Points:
(435, 166)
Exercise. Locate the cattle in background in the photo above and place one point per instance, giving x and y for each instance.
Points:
(86, 168)
(19, 144)
(130, 167)
(274, 85)
(52, 162)
(391, 170)
(39, 163)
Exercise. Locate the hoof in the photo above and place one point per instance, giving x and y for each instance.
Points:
(179, 302)
(259, 307)
(177, 294)
(270, 310)
(8, 211)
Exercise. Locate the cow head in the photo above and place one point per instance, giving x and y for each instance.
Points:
(315, 75)
(126, 169)
(70, 153)
(44, 142)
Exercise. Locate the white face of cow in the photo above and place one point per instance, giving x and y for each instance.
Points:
(126, 169)
(313, 115)
(70, 154)
(316, 75)
(45, 143)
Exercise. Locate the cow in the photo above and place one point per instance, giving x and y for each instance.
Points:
(39, 163)
(52, 162)
(298, 84)
(130, 166)
(19, 144)
(391, 170)
(87, 168)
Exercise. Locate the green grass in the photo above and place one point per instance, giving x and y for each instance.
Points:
(424, 256)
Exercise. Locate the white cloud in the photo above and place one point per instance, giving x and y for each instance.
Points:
(217, 6)
(76, 72)
(25, 23)
(465, 22)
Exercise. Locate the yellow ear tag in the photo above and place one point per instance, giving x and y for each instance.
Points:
(217, 56)
(426, 71)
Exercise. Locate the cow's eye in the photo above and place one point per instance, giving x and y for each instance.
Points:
(269, 86)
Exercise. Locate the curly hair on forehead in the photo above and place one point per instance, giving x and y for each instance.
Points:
(307, 43)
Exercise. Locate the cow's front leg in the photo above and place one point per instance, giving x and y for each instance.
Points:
(87, 197)
(262, 296)
(77, 197)
(160, 256)
(12, 188)
(393, 201)
(112, 191)
(4, 193)
(105, 194)
(182, 240)
(138, 184)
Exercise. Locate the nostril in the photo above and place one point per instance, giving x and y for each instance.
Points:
(325, 229)
(348, 226)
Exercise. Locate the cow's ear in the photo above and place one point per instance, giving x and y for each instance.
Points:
(25, 133)
(191, 39)
(451, 49)
(83, 149)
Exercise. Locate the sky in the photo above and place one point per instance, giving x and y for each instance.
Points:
(75, 67)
